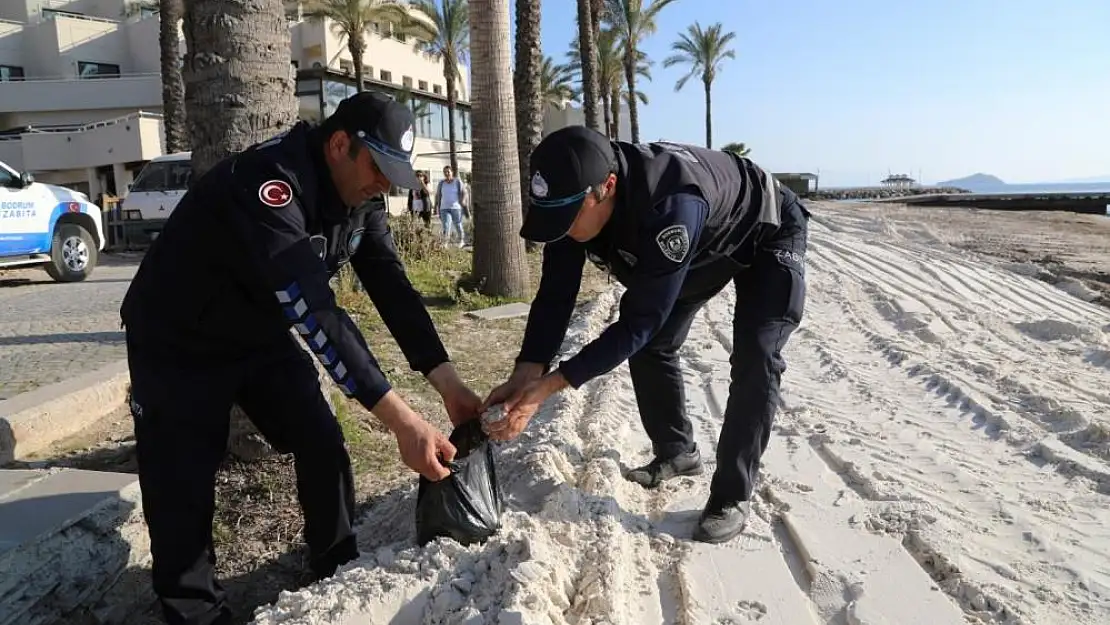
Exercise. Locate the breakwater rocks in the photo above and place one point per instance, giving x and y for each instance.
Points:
(878, 193)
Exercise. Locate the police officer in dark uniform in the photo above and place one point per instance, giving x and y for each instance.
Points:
(674, 224)
(246, 255)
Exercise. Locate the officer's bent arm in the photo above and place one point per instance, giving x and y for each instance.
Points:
(278, 241)
(549, 316)
(382, 274)
(664, 256)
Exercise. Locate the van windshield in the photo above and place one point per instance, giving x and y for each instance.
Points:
(164, 176)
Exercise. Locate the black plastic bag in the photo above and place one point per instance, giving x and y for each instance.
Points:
(467, 505)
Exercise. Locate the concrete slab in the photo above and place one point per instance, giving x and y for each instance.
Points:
(32, 421)
(73, 547)
(505, 311)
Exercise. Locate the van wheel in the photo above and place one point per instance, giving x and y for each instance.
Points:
(72, 254)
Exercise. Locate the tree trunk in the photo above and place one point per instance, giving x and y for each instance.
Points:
(450, 71)
(499, 261)
(708, 115)
(615, 106)
(238, 91)
(630, 78)
(526, 89)
(587, 52)
(357, 48)
(173, 87)
(238, 77)
(608, 113)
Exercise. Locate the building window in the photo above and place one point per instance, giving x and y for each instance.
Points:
(376, 27)
(346, 66)
(406, 81)
(422, 85)
(386, 76)
(400, 36)
(436, 89)
(368, 71)
(10, 73)
(334, 92)
(89, 69)
(432, 121)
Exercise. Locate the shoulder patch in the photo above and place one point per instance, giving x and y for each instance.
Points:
(674, 242)
(354, 240)
(275, 193)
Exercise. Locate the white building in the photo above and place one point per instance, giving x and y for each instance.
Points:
(81, 100)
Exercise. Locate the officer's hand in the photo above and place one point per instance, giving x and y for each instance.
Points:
(522, 405)
(524, 373)
(422, 446)
(462, 404)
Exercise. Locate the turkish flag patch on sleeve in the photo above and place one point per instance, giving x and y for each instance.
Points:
(275, 193)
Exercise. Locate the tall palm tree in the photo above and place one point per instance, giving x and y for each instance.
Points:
(173, 87)
(610, 72)
(499, 262)
(248, 95)
(587, 52)
(352, 19)
(556, 83)
(704, 51)
(737, 148)
(450, 41)
(528, 74)
(633, 22)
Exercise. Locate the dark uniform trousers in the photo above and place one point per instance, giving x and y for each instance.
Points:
(770, 299)
(181, 415)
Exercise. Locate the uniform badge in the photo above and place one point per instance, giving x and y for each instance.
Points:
(353, 241)
(539, 185)
(275, 193)
(407, 140)
(674, 242)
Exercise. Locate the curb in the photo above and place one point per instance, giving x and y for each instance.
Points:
(32, 421)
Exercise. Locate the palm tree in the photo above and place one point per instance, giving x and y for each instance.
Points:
(528, 89)
(248, 95)
(420, 108)
(352, 19)
(610, 72)
(704, 51)
(499, 261)
(737, 148)
(633, 22)
(450, 41)
(556, 83)
(173, 87)
(587, 52)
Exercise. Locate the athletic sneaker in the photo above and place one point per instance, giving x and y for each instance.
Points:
(659, 470)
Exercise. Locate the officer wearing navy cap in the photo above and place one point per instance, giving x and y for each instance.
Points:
(674, 224)
(246, 255)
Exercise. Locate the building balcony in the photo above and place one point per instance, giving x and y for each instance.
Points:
(135, 137)
(128, 91)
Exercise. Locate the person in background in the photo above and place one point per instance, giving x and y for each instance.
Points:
(450, 198)
(420, 203)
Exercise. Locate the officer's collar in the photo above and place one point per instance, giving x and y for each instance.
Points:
(327, 196)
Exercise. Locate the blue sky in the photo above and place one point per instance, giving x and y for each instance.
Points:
(855, 89)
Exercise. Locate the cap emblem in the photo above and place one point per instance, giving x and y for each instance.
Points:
(539, 185)
(407, 140)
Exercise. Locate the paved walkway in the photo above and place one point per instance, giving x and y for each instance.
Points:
(50, 331)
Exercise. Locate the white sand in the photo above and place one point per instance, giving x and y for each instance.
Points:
(941, 458)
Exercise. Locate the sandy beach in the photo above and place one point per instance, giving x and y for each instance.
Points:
(942, 457)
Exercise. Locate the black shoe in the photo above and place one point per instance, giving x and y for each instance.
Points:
(721, 522)
(659, 470)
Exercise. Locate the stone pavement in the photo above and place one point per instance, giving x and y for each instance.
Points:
(52, 331)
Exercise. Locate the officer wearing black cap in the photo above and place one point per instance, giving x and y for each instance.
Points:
(674, 224)
(246, 255)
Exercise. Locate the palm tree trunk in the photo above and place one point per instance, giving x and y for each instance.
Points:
(526, 89)
(615, 107)
(630, 78)
(449, 73)
(499, 262)
(357, 50)
(238, 76)
(173, 88)
(708, 114)
(238, 91)
(608, 113)
(587, 50)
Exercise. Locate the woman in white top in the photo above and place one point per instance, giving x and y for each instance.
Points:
(450, 198)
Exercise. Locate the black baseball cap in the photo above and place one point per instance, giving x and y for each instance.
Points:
(387, 127)
(564, 167)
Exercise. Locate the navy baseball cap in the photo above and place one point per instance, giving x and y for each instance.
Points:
(387, 127)
(564, 167)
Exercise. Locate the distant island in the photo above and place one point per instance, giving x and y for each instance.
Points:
(986, 183)
(975, 182)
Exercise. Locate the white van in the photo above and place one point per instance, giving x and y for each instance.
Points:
(47, 225)
(159, 186)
